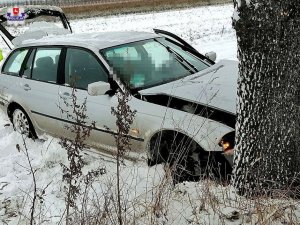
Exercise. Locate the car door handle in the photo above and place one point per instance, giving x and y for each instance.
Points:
(65, 95)
(26, 87)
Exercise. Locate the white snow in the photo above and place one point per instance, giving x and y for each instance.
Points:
(38, 30)
(207, 28)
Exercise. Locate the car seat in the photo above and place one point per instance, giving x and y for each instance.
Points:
(84, 70)
(45, 70)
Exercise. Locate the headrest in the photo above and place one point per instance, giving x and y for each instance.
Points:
(44, 62)
(81, 58)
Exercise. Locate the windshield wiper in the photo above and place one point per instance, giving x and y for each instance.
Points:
(180, 57)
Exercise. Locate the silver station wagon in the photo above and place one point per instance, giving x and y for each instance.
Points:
(185, 103)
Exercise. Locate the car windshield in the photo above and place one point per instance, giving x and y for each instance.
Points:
(151, 62)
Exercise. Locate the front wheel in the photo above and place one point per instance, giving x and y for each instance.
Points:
(183, 154)
(22, 123)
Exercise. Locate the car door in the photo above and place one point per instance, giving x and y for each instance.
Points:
(10, 77)
(40, 89)
(82, 67)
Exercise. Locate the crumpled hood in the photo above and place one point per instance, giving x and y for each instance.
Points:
(215, 86)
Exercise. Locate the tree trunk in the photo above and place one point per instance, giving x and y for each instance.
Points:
(267, 155)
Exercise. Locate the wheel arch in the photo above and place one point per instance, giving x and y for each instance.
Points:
(170, 130)
(11, 107)
(14, 105)
(163, 133)
(221, 164)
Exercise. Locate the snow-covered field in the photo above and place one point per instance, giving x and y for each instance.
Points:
(206, 28)
(147, 193)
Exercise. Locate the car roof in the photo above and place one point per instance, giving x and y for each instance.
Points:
(99, 40)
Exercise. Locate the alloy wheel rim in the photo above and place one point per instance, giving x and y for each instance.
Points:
(21, 123)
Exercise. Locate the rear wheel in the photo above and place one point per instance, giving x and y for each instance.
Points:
(22, 123)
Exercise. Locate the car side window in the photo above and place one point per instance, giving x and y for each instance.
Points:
(46, 64)
(82, 68)
(14, 62)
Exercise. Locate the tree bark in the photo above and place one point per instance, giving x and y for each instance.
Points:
(267, 153)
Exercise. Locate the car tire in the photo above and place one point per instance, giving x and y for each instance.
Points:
(183, 155)
(22, 124)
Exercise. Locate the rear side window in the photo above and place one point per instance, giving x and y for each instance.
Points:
(82, 68)
(14, 62)
(46, 64)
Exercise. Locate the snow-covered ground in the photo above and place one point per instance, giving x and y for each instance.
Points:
(206, 28)
(149, 196)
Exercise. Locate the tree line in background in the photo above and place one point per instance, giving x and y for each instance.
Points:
(58, 2)
(89, 8)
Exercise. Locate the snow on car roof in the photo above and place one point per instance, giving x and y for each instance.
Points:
(97, 40)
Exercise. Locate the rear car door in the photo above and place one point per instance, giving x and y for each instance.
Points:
(10, 78)
(83, 67)
(40, 89)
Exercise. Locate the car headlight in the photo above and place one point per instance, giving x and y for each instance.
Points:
(227, 142)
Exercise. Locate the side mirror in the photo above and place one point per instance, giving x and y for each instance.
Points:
(211, 55)
(98, 88)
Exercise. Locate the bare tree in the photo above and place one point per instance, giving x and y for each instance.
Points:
(267, 155)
